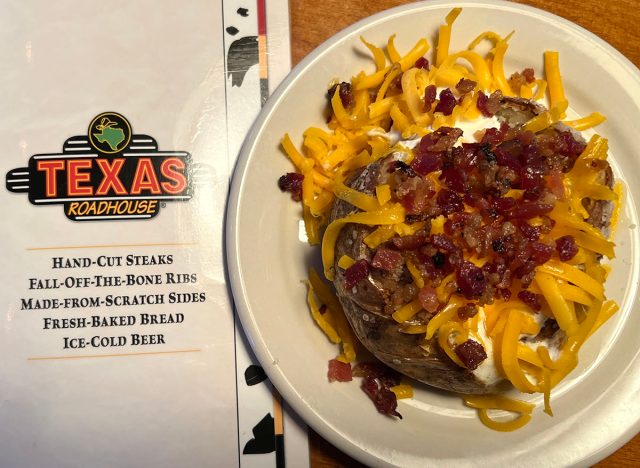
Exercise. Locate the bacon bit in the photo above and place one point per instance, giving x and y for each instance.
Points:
(529, 75)
(530, 210)
(566, 247)
(465, 86)
(454, 178)
(532, 233)
(441, 140)
(411, 242)
(519, 79)
(467, 311)
(415, 195)
(449, 202)
(503, 205)
(568, 145)
(425, 163)
(396, 83)
(471, 353)
(429, 299)
(471, 280)
(387, 259)
(555, 184)
(339, 371)
(346, 94)
(531, 299)
(292, 182)
(377, 382)
(423, 63)
(355, 273)
(383, 398)
(443, 243)
(540, 253)
(505, 293)
(446, 103)
(430, 93)
(489, 105)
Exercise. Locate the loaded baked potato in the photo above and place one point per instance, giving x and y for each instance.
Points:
(480, 175)
(461, 222)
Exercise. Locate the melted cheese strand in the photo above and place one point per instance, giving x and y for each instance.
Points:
(378, 55)
(391, 49)
(392, 215)
(554, 79)
(407, 311)
(591, 120)
(444, 37)
(575, 276)
(341, 324)
(562, 312)
(498, 68)
(509, 354)
(324, 325)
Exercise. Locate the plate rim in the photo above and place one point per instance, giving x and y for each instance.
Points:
(275, 373)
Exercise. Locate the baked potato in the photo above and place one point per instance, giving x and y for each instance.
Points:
(370, 300)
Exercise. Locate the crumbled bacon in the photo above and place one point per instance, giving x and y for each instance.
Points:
(566, 247)
(410, 242)
(377, 380)
(346, 94)
(540, 253)
(471, 353)
(467, 311)
(555, 184)
(447, 102)
(465, 86)
(529, 210)
(471, 280)
(529, 75)
(429, 299)
(339, 371)
(454, 178)
(415, 194)
(426, 162)
(355, 273)
(387, 259)
(292, 182)
(531, 299)
(430, 93)
(440, 140)
(489, 105)
(449, 201)
(519, 79)
(422, 62)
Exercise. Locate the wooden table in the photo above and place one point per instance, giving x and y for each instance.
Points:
(314, 21)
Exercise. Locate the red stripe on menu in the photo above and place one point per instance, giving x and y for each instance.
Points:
(262, 18)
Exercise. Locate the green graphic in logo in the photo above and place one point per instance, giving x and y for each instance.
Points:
(109, 133)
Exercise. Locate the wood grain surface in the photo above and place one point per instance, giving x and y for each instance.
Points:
(314, 21)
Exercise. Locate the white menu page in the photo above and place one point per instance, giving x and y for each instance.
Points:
(120, 126)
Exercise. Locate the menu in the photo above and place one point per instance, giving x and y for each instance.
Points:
(120, 128)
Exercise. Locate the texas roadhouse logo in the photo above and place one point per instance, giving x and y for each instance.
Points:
(107, 174)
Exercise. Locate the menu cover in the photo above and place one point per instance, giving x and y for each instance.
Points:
(120, 126)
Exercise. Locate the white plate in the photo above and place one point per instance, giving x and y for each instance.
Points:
(597, 408)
